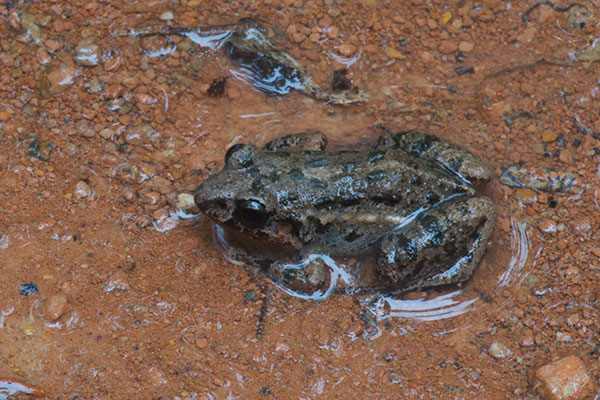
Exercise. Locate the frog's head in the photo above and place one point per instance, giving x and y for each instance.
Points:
(235, 197)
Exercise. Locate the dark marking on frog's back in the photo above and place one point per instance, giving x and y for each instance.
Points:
(318, 163)
(296, 174)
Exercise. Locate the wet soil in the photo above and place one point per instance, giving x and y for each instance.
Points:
(108, 292)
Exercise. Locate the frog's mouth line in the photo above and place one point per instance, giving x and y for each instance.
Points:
(287, 237)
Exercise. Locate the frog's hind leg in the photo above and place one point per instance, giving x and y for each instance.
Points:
(304, 277)
(448, 155)
(441, 246)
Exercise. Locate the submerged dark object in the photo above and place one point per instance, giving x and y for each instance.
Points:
(543, 179)
(272, 70)
(275, 72)
(217, 87)
(340, 81)
(41, 150)
(268, 75)
(27, 289)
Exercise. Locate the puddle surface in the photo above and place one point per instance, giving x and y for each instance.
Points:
(124, 128)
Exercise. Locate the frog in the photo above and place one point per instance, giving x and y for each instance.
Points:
(409, 198)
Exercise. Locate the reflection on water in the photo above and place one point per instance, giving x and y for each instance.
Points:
(333, 271)
(212, 41)
(441, 307)
(347, 61)
(9, 388)
(519, 250)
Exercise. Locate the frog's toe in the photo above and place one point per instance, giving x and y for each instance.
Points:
(441, 246)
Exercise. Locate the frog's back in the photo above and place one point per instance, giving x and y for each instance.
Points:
(323, 179)
(348, 200)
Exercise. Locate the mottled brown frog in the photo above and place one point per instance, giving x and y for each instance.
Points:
(409, 197)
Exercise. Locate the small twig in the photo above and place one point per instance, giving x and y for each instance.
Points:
(512, 68)
(262, 313)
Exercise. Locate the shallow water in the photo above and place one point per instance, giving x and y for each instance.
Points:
(136, 130)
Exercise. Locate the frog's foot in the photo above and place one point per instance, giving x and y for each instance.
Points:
(305, 278)
(441, 246)
(449, 156)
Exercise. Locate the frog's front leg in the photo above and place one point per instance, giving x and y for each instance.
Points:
(306, 276)
(441, 246)
(449, 156)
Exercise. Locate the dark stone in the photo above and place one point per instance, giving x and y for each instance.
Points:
(27, 289)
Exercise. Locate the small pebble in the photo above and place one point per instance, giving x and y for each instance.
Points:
(466, 47)
(84, 129)
(565, 379)
(151, 198)
(548, 137)
(197, 62)
(314, 37)
(185, 201)
(55, 307)
(548, 226)
(130, 82)
(82, 190)
(346, 49)
(447, 47)
(141, 134)
(128, 194)
(499, 350)
(61, 78)
(427, 57)
(393, 53)
(334, 32)
(527, 35)
(145, 98)
(87, 53)
(157, 377)
(298, 37)
(167, 16)
(117, 281)
(42, 56)
(106, 133)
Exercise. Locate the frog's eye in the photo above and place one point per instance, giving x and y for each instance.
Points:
(240, 155)
(251, 213)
